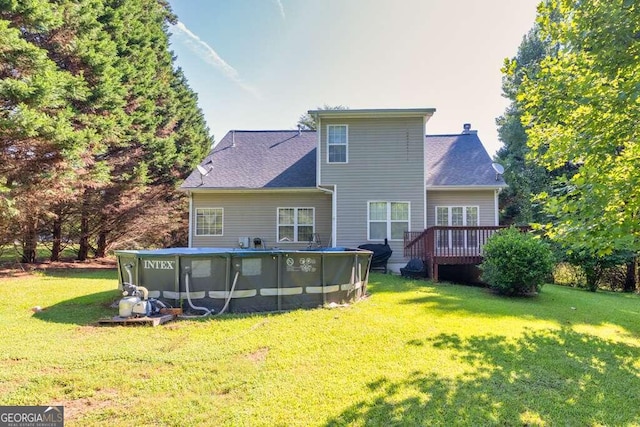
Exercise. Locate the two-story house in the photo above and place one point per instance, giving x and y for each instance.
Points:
(364, 176)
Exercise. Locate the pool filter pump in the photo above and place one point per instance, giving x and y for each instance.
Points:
(136, 301)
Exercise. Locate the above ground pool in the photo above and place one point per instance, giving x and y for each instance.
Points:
(247, 280)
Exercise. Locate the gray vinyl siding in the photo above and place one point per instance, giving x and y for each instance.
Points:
(484, 199)
(255, 215)
(385, 163)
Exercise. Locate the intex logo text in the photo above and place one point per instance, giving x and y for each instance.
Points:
(158, 265)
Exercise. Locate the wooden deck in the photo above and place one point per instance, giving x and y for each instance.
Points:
(442, 245)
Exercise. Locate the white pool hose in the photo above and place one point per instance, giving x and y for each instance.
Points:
(194, 307)
(142, 289)
(233, 287)
(128, 268)
(145, 292)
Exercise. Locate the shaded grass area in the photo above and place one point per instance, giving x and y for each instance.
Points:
(413, 353)
(9, 254)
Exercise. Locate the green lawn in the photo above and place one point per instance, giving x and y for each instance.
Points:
(413, 353)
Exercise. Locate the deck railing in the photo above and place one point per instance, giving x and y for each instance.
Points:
(449, 242)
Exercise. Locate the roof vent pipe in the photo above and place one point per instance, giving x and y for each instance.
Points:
(466, 128)
(299, 129)
(233, 138)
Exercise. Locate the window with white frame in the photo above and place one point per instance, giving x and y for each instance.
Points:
(457, 216)
(296, 224)
(337, 142)
(388, 220)
(209, 221)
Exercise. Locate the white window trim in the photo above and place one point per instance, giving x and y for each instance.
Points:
(196, 221)
(346, 144)
(389, 221)
(464, 214)
(295, 223)
(449, 208)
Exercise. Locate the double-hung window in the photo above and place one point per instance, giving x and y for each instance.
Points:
(337, 143)
(295, 224)
(388, 220)
(209, 221)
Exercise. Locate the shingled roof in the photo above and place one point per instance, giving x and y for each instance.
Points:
(259, 160)
(459, 160)
(287, 159)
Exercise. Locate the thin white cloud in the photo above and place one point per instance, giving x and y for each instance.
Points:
(281, 7)
(209, 55)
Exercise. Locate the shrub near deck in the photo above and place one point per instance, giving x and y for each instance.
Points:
(516, 263)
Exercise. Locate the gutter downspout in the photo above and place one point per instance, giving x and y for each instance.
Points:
(495, 203)
(334, 212)
(334, 191)
(190, 244)
(424, 171)
(318, 149)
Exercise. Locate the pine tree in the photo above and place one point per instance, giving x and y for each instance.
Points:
(96, 126)
(40, 146)
(165, 138)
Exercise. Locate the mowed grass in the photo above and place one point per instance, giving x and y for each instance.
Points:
(413, 353)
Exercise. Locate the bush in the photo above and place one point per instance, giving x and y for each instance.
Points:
(566, 274)
(601, 269)
(613, 277)
(516, 263)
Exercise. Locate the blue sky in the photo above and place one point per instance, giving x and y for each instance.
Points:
(260, 64)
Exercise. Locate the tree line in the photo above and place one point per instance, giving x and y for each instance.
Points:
(571, 135)
(97, 126)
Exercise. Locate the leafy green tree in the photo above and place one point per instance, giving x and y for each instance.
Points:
(524, 177)
(581, 108)
(308, 122)
(595, 267)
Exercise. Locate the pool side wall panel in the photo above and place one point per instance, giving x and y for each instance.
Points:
(261, 280)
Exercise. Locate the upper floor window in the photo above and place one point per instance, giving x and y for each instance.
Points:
(209, 221)
(388, 220)
(337, 141)
(295, 224)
